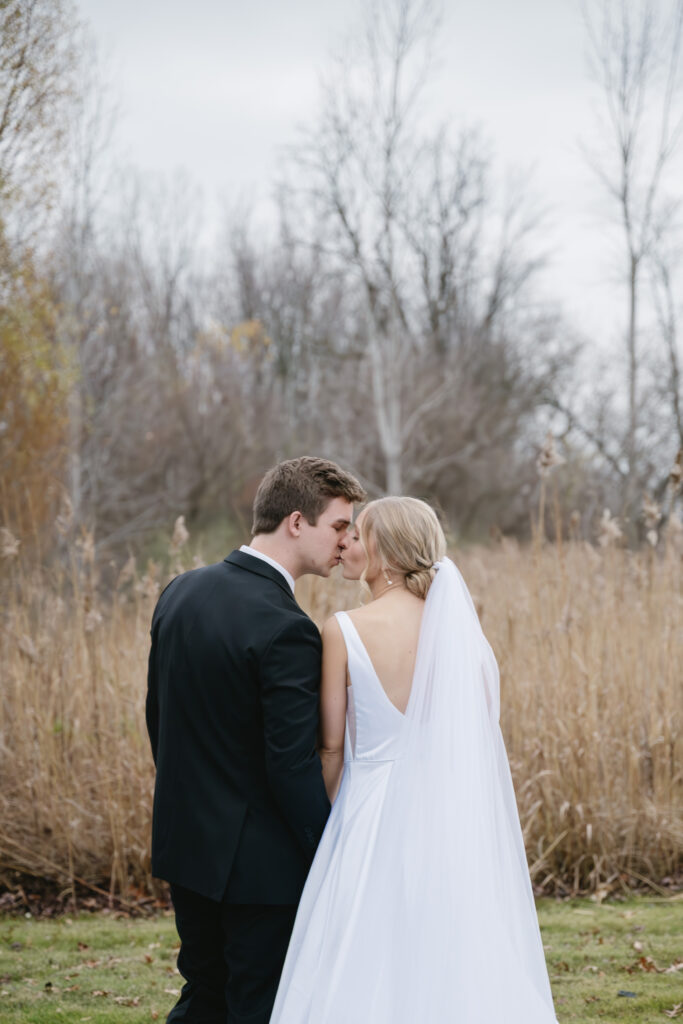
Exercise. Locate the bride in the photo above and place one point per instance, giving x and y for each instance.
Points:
(418, 908)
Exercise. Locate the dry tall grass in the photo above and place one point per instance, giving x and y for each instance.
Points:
(590, 645)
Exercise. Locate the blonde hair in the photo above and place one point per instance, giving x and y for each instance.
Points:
(408, 538)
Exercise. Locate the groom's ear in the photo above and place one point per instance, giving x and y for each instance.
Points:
(294, 524)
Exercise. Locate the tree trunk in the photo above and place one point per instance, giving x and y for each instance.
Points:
(386, 380)
(631, 344)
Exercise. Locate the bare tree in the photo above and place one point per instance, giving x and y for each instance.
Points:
(635, 57)
(438, 274)
(72, 255)
(359, 161)
(39, 58)
(669, 315)
(389, 321)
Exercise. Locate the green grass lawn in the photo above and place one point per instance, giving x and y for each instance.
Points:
(103, 970)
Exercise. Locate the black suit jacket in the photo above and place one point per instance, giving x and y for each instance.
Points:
(232, 714)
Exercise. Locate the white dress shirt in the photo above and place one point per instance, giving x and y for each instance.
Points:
(271, 561)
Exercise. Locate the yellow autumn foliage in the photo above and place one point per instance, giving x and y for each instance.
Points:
(35, 378)
(249, 335)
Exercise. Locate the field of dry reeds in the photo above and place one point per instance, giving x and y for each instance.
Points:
(590, 645)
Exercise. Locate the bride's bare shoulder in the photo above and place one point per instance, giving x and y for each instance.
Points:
(363, 611)
(379, 611)
(331, 628)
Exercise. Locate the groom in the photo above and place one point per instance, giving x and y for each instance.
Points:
(232, 714)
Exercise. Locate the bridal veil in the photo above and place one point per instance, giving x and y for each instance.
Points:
(452, 921)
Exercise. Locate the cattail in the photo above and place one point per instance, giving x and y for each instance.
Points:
(127, 572)
(9, 544)
(28, 648)
(548, 457)
(148, 587)
(575, 523)
(64, 520)
(92, 620)
(180, 534)
(652, 513)
(674, 532)
(85, 545)
(676, 473)
(610, 531)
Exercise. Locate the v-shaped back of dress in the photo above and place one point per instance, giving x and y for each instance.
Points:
(374, 726)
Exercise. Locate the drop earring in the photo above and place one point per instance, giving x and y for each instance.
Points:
(386, 577)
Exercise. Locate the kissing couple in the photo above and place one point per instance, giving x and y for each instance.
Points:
(336, 816)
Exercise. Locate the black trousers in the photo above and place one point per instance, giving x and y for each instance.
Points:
(231, 957)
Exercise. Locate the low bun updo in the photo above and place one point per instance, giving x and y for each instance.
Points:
(408, 539)
(418, 581)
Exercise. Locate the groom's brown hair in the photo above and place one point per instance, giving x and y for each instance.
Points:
(305, 485)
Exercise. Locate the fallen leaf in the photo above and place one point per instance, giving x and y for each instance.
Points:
(675, 1011)
(644, 963)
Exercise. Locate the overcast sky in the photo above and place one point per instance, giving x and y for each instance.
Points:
(217, 87)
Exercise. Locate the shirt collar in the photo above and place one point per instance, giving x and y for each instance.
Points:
(271, 561)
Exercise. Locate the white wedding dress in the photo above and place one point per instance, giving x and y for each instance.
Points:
(418, 907)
